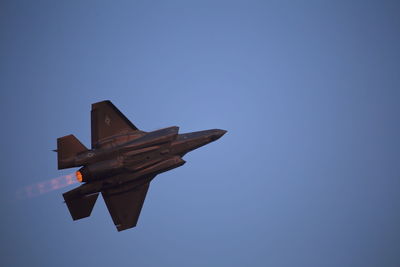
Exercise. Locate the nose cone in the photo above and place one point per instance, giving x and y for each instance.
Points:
(190, 141)
(217, 134)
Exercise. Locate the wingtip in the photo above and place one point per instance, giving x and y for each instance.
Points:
(124, 227)
(94, 105)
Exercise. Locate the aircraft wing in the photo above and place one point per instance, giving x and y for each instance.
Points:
(125, 206)
(107, 121)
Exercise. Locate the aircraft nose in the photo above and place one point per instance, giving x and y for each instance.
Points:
(217, 134)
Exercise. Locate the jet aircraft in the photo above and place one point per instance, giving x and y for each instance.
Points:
(122, 162)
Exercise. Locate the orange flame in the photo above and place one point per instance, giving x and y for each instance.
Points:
(79, 177)
(43, 187)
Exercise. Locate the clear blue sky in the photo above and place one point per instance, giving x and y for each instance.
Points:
(308, 174)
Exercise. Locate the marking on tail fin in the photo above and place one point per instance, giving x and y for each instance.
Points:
(107, 120)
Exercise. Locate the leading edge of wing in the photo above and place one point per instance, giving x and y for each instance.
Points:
(125, 207)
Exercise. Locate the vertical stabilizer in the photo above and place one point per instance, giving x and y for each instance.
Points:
(67, 148)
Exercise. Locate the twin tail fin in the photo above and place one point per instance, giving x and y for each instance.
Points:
(67, 148)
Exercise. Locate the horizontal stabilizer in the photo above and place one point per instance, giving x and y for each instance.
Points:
(125, 207)
(67, 148)
(80, 207)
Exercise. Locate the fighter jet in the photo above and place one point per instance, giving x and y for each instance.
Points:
(122, 162)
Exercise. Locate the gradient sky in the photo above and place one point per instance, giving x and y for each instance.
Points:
(308, 174)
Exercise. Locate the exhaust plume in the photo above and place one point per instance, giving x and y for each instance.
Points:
(43, 187)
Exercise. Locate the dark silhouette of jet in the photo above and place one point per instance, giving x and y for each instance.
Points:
(122, 162)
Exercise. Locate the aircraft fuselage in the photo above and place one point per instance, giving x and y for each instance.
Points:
(122, 162)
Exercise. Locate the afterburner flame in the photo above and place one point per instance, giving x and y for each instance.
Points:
(79, 177)
(40, 188)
